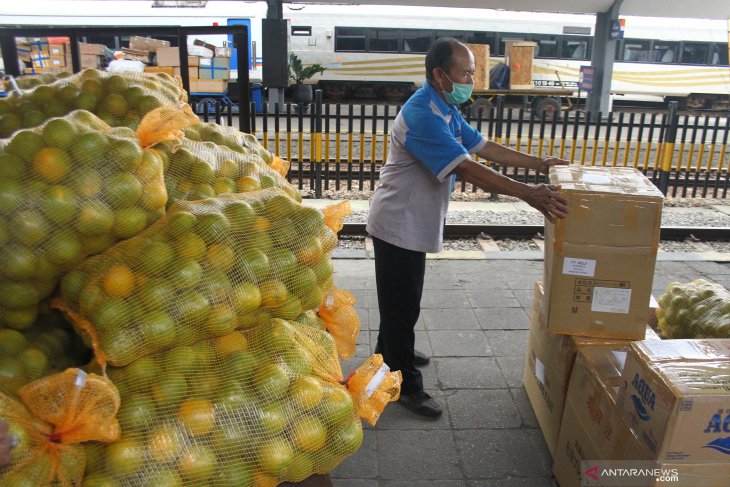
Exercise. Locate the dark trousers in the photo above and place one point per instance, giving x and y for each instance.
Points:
(399, 277)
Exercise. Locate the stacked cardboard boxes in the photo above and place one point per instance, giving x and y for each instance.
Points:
(207, 74)
(44, 54)
(595, 431)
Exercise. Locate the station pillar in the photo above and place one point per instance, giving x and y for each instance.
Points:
(604, 50)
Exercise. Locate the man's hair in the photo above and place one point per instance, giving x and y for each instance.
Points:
(439, 55)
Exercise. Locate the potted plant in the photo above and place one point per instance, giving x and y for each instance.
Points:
(299, 73)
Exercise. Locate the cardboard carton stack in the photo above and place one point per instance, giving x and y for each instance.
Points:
(208, 66)
(92, 55)
(598, 393)
(599, 424)
(45, 54)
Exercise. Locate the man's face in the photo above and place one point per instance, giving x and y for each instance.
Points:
(461, 70)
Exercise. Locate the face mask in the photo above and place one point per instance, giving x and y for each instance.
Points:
(460, 92)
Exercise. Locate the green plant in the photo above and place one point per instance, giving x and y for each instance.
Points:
(299, 73)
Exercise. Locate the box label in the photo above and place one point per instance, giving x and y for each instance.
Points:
(611, 300)
(540, 371)
(677, 349)
(579, 267)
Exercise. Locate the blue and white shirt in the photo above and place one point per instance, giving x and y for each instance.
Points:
(428, 140)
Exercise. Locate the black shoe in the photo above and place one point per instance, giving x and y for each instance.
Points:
(420, 359)
(421, 403)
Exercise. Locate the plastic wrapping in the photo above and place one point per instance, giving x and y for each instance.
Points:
(205, 269)
(120, 100)
(373, 386)
(255, 407)
(697, 309)
(53, 416)
(68, 189)
(198, 170)
(337, 311)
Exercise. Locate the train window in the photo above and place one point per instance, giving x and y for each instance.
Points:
(415, 40)
(636, 50)
(350, 39)
(694, 53)
(384, 40)
(456, 34)
(718, 55)
(482, 38)
(301, 30)
(665, 52)
(574, 48)
(547, 46)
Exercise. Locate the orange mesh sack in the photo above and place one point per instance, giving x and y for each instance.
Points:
(373, 386)
(198, 170)
(29, 82)
(120, 100)
(205, 269)
(334, 215)
(53, 416)
(232, 138)
(166, 123)
(68, 189)
(697, 309)
(255, 407)
(337, 311)
(310, 318)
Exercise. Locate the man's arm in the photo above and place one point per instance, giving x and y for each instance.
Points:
(493, 151)
(543, 197)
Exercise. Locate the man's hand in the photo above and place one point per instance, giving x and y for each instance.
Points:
(7, 442)
(546, 163)
(548, 200)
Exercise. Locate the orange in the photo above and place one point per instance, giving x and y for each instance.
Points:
(51, 164)
(124, 189)
(18, 262)
(63, 249)
(261, 224)
(198, 463)
(30, 228)
(273, 293)
(247, 184)
(198, 415)
(275, 456)
(118, 281)
(220, 257)
(309, 434)
(128, 222)
(60, 204)
(124, 457)
(165, 443)
(190, 246)
(233, 342)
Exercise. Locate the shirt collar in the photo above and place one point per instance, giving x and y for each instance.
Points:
(440, 103)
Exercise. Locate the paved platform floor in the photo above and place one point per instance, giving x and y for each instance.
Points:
(474, 325)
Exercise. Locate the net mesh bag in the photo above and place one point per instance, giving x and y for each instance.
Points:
(696, 309)
(29, 354)
(334, 215)
(254, 407)
(120, 100)
(49, 419)
(230, 137)
(373, 386)
(198, 170)
(68, 189)
(205, 269)
(29, 82)
(337, 311)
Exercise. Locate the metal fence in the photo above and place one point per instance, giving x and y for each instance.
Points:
(343, 146)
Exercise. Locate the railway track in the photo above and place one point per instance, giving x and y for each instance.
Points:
(529, 231)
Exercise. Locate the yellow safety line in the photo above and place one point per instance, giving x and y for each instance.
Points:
(349, 147)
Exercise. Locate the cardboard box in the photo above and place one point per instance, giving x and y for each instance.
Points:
(481, 59)
(548, 365)
(676, 395)
(193, 60)
(147, 43)
(57, 61)
(192, 72)
(41, 59)
(159, 69)
(91, 61)
(594, 429)
(208, 86)
(57, 50)
(23, 49)
(214, 68)
(223, 52)
(168, 56)
(599, 261)
(95, 49)
(136, 55)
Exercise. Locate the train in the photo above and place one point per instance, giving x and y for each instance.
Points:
(378, 52)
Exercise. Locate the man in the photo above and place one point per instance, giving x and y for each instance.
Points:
(430, 144)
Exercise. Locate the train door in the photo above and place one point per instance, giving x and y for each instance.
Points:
(251, 51)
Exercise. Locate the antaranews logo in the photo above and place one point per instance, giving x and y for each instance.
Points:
(625, 473)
